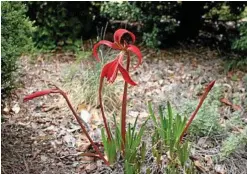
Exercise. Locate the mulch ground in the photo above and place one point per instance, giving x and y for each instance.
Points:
(42, 136)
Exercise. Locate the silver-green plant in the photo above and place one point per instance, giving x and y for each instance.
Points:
(232, 143)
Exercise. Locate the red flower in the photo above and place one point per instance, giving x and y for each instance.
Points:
(110, 70)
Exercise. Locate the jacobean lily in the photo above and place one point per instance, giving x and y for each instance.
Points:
(111, 69)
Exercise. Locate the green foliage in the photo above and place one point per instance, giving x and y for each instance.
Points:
(84, 83)
(224, 12)
(239, 63)
(160, 23)
(150, 39)
(233, 142)
(156, 20)
(15, 39)
(240, 44)
(135, 151)
(168, 130)
(208, 117)
(121, 11)
(61, 23)
(110, 147)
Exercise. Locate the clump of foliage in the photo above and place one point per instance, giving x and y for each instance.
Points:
(226, 12)
(233, 142)
(160, 23)
(169, 135)
(239, 63)
(83, 83)
(236, 135)
(207, 121)
(61, 24)
(121, 11)
(15, 39)
(155, 21)
(240, 44)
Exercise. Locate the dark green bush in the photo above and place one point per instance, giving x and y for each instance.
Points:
(240, 44)
(157, 24)
(121, 11)
(156, 21)
(165, 23)
(16, 39)
(62, 23)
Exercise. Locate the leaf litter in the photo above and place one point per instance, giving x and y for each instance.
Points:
(41, 136)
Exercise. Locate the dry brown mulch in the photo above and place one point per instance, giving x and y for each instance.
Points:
(43, 137)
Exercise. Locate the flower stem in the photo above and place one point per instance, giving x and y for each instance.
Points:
(124, 108)
(83, 127)
(209, 87)
(102, 110)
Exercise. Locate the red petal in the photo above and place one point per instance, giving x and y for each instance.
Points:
(126, 75)
(103, 42)
(37, 94)
(113, 70)
(110, 70)
(120, 32)
(137, 52)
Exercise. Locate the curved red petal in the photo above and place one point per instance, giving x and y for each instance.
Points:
(137, 52)
(110, 70)
(105, 69)
(103, 42)
(112, 75)
(120, 32)
(126, 75)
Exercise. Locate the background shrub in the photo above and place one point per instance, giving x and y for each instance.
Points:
(62, 23)
(16, 39)
(240, 44)
(158, 24)
(154, 21)
(239, 47)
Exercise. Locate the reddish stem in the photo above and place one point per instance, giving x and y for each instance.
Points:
(102, 109)
(209, 87)
(82, 127)
(124, 108)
